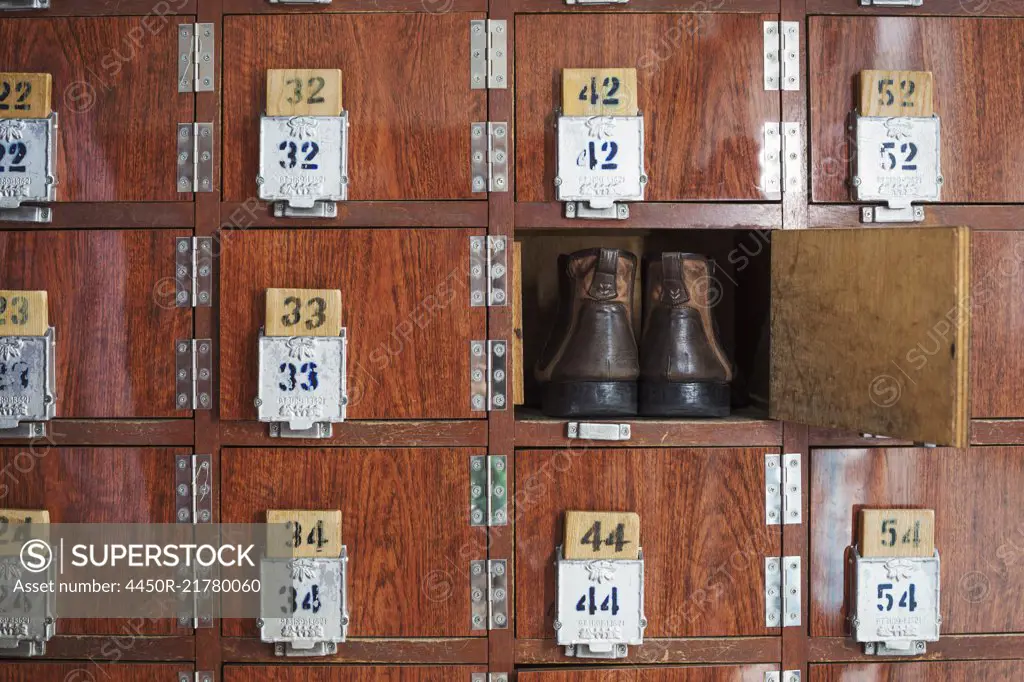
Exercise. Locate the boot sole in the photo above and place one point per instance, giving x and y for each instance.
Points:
(590, 399)
(684, 399)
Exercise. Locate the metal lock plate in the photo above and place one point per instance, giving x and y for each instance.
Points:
(27, 382)
(898, 161)
(303, 159)
(28, 165)
(302, 382)
(24, 4)
(304, 605)
(896, 603)
(600, 160)
(28, 621)
(600, 606)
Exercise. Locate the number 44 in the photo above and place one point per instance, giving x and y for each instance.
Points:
(616, 538)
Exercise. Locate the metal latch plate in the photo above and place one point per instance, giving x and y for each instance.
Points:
(302, 381)
(312, 581)
(27, 379)
(597, 431)
(600, 606)
(29, 173)
(26, 636)
(303, 159)
(600, 159)
(896, 603)
(891, 3)
(24, 4)
(897, 160)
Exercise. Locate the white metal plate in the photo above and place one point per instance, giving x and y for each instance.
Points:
(897, 160)
(600, 604)
(303, 159)
(26, 379)
(600, 159)
(310, 596)
(27, 160)
(897, 600)
(302, 379)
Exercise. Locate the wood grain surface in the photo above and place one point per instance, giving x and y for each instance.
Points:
(718, 673)
(406, 309)
(978, 528)
(702, 523)
(699, 85)
(920, 671)
(114, 88)
(409, 116)
(409, 544)
(111, 300)
(869, 331)
(73, 671)
(94, 485)
(315, 673)
(978, 67)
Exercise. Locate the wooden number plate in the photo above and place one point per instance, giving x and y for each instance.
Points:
(303, 312)
(601, 535)
(14, 530)
(599, 92)
(303, 92)
(896, 93)
(897, 532)
(303, 533)
(25, 95)
(23, 313)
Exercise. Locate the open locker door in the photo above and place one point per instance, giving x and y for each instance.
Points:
(870, 330)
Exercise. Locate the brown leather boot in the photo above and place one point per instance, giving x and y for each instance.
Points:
(683, 369)
(589, 365)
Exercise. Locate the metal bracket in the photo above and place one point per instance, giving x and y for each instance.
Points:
(24, 4)
(884, 214)
(792, 502)
(193, 374)
(581, 209)
(771, 161)
(488, 677)
(488, 585)
(24, 431)
(195, 58)
(193, 272)
(891, 3)
(782, 591)
(193, 488)
(598, 431)
(792, 157)
(488, 490)
(781, 55)
(195, 157)
(784, 676)
(596, 2)
(320, 209)
(772, 490)
(27, 214)
(488, 272)
(489, 156)
(488, 54)
(199, 675)
(488, 362)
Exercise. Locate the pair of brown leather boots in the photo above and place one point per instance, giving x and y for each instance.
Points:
(591, 366)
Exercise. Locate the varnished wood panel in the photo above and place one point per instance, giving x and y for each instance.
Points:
(454, 650)
(112, 305)
(406, 527)
(701, 91)
(723, 673)
(310, 673)
(115, 90)
(406, 306)
(88, 671)
(978, 68)
(978, 529)
(702, 522)
(921, 671)
(704, 649)
(869, 331)
(94, 485)
(997, 309)
(409, 111)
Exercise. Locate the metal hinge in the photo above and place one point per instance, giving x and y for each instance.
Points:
(195, 58)
(489, 677)
(781, 159)
(488, 361)
(195, 157)
(198, 676)
(488, 272)
(488, 586)
(193, 374)
(24, 4)
(193, 488)
(784, 676)
(891, 3)
(783, 501)
(781, 55)
(488, 160)
(488, 491)
(193, 272)
(488, 54)
(782, 591)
